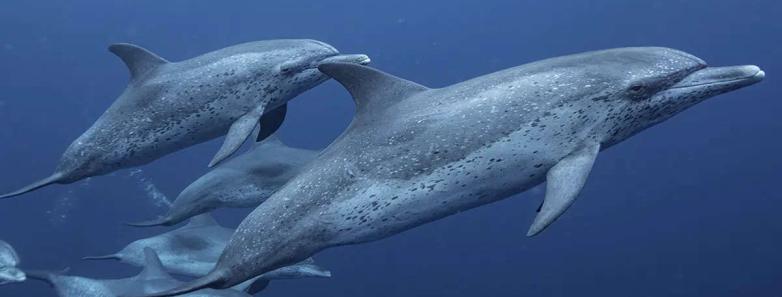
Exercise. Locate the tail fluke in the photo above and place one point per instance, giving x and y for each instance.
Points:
(54, 178)
(212, 280)
(106, 257)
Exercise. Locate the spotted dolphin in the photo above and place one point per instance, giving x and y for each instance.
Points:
(244, 181)
(169, 106)
(193, 250)
(413, 154)
(152, 278)
(9, 260)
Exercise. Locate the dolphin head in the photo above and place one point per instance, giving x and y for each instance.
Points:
(12, 274)
(298, 66)
(620, 92)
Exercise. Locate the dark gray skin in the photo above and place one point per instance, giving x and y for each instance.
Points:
(244, 181)
(193, 250)
(153, 278)
(169, 106)
(413, 155)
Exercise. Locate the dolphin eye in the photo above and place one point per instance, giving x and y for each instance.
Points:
(637, 89)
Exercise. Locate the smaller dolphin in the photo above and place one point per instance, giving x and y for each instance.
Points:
(151, 279)
(244, 181)
(169, 106)
(194, 249)
(8, 262)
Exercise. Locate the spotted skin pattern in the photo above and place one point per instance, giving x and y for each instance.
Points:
(173, 105)
(413, 155)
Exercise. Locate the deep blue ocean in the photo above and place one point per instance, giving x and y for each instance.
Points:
(690, 207)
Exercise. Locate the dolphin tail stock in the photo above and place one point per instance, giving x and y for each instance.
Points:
(105, 257)
(54, 178)
(45, 275)
(40, 275)
(212, 280)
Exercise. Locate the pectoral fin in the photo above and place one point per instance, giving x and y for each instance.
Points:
(563, 183)
(271, 121)
(240, 130)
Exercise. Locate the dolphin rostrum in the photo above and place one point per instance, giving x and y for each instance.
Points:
(193, 250)
(169, 106)
(413, 154)
(151, 279)
(9, 259)
(244, 181)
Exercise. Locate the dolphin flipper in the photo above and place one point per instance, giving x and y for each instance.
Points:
(240, 130)
(257, 286)
(563, 183)
(271, 121)
(54, 178)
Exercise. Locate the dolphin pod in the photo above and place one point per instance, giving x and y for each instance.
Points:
(194, 249)
(151, 279)
(9, 259)
(169, 106)
(244, 181)
(414, 154)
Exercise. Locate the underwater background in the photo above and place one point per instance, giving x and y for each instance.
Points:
(688, 208)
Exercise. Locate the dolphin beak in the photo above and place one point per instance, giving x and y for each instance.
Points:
(355, 59)
(721, 79)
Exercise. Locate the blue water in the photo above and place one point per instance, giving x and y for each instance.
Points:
(688, 208)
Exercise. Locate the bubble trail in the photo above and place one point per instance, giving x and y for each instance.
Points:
(152, 191)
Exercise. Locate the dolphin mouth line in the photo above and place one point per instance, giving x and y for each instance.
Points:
(757, 75)
(340, 58)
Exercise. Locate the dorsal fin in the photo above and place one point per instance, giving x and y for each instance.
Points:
(138, 59)
(369, 86)
(153, 268)
(202, 220)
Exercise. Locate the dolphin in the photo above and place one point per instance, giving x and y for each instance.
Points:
(244, 181)
(194, 249)
(169, 106)
(152, 278)
(9, 259)
(413, 154)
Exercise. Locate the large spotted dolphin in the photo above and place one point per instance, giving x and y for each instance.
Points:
(152, 278)
(244, 181)
(413, 154)
(9, 260)
(169, 106)
(193, 250)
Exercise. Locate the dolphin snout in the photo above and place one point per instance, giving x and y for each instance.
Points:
(355, 59)
(729, 77)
